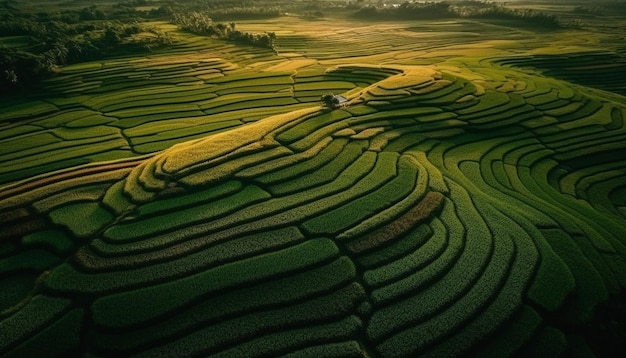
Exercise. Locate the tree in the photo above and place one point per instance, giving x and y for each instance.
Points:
(330, 100)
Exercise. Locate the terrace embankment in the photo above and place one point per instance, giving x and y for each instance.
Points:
(433, 215)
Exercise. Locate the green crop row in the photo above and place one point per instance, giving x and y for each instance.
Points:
(304, 203)
(617, 119)
(348, 349)
(37, 189)
(513, 335)
(588, 108)
(304, 128)
(365, 206)
(516, 104)
(398, 249)
(332, 150)
(406, 209)
(230, 100)
(174, 125)
(253, 76)
(491, 100)
(275, 101)
(509, 270)
(513, 198)
(128, 308)
(404, 286)
(576, 182)
(333, 278)
(146, 227)
(63, 151)
(601, 231)
(82, 219)
(160, 108)
(524, 191)
(259, 324)
(22, 131)
(119, 100)
(423, 254)
(384, 171)
(132, 185)
(288, 341)
(589, 288)
(24, 145)
(405, 213)
(179, 202)
(391, 116)
(163, 136)
(256, 153)
(127, 104)
(96, 274)
(307, 204)
(55, 240)
(586, 141)
(147, 177)
(39, 312)
(84, 193)
(36, 260)
(465, 273)
(598, 190)
(321, 169)
(60, 338)
(316, 136)
(27, 109)
(453, 311)
(281, 168)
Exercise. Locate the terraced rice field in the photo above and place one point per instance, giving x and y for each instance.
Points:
(201, 202)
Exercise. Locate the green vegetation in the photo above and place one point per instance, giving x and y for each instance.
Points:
(172, 182)
(464, 9)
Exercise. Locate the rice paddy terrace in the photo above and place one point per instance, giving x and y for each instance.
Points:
(201, 201)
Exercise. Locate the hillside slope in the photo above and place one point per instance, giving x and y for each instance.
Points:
(430, 216)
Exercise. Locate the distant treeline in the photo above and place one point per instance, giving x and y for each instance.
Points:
(57, 38)
(200, 23)
(464, 9)
(220, 10)
(61, 36)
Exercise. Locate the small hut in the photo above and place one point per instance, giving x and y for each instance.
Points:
(334, 101)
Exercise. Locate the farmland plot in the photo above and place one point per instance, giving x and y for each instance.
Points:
(209, 205)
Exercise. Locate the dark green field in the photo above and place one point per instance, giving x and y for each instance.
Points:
(189, 194)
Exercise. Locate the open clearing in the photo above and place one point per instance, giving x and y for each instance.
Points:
(201, 201)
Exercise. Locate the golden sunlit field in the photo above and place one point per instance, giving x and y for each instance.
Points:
(195, 195)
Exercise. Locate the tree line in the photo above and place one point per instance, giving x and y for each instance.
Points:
(463, 9)
(57, 38)
(200, 23)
